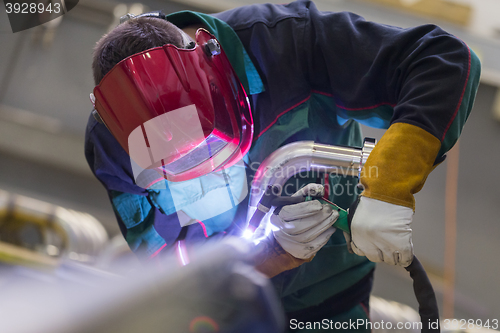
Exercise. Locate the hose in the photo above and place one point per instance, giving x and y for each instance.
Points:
(427, 304)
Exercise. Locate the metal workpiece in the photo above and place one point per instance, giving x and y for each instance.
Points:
(305, 156)
(219, 291)
(336, 159)
(368, 145)
(48, 231)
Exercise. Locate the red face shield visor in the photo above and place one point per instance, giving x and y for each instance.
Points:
(181, 112)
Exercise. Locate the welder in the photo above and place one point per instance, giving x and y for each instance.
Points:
(187, 104)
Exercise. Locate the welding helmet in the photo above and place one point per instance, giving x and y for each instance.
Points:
(179, 111)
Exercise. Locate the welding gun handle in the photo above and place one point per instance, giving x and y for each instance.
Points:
(279, 202)
(342, 222)
(284, 201)
(271, 199)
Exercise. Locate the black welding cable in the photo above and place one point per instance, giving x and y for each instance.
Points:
(422, 287)
(427, 304)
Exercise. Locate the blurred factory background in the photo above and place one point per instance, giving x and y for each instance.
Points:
(45, 81)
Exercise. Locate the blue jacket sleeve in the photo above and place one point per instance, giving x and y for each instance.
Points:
(373, 73)
(421, 76)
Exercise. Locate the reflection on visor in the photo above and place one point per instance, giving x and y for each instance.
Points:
(210, 147)
(173, 142)
(166, 138)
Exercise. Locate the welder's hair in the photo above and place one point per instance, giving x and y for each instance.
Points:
(131, 37)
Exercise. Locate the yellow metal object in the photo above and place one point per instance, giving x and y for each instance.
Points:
(496, 105)
(447, 10)
(16, 255)
(31, 224)
(48, 230)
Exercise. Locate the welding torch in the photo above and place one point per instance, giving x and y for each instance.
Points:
(423, 290)
(348, 161)
(272, 198)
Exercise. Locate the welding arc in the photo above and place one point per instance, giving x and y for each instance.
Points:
(271, 198)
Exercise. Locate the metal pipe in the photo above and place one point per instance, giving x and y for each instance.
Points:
(302, 156)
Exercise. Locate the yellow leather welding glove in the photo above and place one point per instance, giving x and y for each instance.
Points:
(395, 170)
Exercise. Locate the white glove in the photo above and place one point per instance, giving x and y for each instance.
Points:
(381, 231)
(305, 227)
